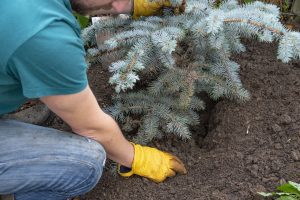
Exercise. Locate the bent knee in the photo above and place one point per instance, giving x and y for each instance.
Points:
(88, 168)
(87, 173)
(99, 155)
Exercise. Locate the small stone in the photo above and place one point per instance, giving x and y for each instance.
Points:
(285, 119)
(267, 168)
(258, 188)
(295, 155)
(274, 179)
(254, 173)
(172, 191)
(215, 193)
(239, 155)
(249, 159)
(255, 160)
(254, 170)
(275, 166)
(278, 146)
(282, 181)
(265, 180)
(271, 179)
(255, 167)
(276, 128)
(258, 118)
(190, 164)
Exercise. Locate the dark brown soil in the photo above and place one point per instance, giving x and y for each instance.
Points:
(249, 147)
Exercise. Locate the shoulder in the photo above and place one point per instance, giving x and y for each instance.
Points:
(22, 19)
(50, 62)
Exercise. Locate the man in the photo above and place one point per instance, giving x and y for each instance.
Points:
(42, 56)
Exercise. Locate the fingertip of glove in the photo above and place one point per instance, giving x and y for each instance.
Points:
(183, 170)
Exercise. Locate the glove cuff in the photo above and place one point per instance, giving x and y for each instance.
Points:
(125, 171)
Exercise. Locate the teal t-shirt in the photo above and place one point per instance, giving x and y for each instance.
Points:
(41, 51)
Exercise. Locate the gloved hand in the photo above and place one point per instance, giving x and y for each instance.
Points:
(153, 164)
(154, 7)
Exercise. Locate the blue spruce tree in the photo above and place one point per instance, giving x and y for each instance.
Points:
(177, 56)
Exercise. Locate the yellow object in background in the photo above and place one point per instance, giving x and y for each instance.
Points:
(152, 7)
(154, 164)
(147, 7)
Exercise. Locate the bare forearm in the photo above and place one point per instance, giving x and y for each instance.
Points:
(108, 134)
(82, 112)
(116, 7)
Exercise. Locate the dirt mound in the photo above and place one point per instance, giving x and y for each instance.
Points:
(249, 147)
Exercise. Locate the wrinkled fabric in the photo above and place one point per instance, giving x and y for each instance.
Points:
(41, 51)
(38, 163)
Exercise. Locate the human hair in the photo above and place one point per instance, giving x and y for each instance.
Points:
(80, 6)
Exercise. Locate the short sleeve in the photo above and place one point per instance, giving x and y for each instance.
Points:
(52, 62)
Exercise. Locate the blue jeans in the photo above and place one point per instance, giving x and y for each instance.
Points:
(38, 163)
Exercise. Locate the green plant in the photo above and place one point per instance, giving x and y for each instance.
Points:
(248, 1)
(82, 20)
(288, 191)
(286, 6)
(163, 63)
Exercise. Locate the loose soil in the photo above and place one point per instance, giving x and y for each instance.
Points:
(249, 147)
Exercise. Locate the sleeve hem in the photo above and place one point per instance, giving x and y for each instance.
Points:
(52, 91)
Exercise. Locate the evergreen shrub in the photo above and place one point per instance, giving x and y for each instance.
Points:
(162, 63)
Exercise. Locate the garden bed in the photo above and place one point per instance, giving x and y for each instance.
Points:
(248, 148)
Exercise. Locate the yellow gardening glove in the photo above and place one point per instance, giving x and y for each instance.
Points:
(153, 7)
(153, 164)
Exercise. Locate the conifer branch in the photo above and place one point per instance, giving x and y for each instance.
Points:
(129, 67)
(254, 23)
(190, 53)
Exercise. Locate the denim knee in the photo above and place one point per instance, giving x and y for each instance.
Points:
(65, 177)
(38, 160)
(94, 164)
